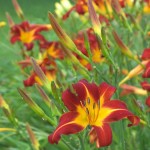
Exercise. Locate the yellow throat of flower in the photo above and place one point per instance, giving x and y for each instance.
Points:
(89, 110)
(27, 36)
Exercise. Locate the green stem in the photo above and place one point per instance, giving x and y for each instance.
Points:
(122, 136)
(121, 122)
(81, 142)
(68, 145)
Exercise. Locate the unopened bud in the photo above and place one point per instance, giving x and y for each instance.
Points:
(18, 9)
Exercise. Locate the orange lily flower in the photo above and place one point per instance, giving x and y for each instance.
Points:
(27, 33)
(48, 67)
(91, 105)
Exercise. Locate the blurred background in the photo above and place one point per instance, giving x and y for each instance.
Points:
(35, 12)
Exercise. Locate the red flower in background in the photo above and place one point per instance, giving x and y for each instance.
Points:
(91, 105)
(143, 67)
(27, 33)
(99, 5)
(147, 6)
(147, 102)
(95, 51)
(48, 67)
(145, 85)
(146, 56)
(52, 49)
(81, 7)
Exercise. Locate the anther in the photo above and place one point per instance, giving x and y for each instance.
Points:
(94, 105)
(84, 103)
(98, 103)
(87, 111)
(88, 100)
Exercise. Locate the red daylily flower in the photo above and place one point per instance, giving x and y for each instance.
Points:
(148, 101)
(147, 6)
(81, 7)
(146, 56)
(124, 3)
(145, 85)
(49, 69)
(103, 19)
(91, 105)
(96, 52)
(130, 3)
(146, 73)
(27, 33)
(99, 5)
(52, 49)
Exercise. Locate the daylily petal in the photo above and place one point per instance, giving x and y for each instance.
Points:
(102, 135)
(83, 90)
(30, 81)
(103, 19)
(92, 89)
(52, 49)
(106, 92)
(116, 110)
(67, 14)
(14, 39)
(38, 37)
(148, 101)
(72, 100)
(27, 33)
(146, 54)
(146, 73)
(145, 85)
(69, 123)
